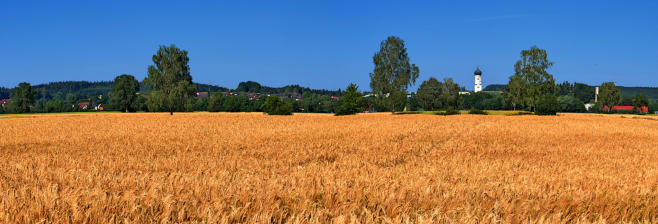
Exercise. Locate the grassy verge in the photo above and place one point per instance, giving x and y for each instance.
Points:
(490, 112)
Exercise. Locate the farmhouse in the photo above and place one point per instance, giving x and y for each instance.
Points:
(202, 95)
(83, 105)
(229, 94)
(4, 103)
(253, 95)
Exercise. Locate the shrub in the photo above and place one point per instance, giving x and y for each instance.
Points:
(276, 106)
(571, 104)
(653, 108)
(449, 111)
(547, 105)
(477, 111)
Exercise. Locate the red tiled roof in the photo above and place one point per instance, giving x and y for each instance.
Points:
(623, 108)
(83, 104)
(202, 94)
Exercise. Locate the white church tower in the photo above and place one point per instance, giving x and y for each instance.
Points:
(478, 80)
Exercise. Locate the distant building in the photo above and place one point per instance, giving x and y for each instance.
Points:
(253, 95)
(229, 94)
(478, 80)
(626, 108)
(4, 103)
(202, 95)
(589, 106)
(83, 105)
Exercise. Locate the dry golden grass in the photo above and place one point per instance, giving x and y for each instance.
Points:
(369, 168)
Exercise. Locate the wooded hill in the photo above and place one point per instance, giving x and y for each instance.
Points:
(85, 89)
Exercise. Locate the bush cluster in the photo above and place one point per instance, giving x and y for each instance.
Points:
(547, 105)
(276, 106)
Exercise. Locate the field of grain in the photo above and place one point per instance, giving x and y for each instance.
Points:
(316, 168)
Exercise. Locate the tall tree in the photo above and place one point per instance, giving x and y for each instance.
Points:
(351, 102)
(429, 94)
(124, 92)
(609, 95)
(450, 94)
(22, 98)
(393, 73)
(640, 100)
(532, 71)
(515, 90)
(170, 78)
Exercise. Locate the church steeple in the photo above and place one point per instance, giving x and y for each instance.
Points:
(478, 80)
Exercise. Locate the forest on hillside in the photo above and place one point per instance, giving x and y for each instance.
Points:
(64, 96)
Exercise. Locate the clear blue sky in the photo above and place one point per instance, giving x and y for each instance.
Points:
(327, 44)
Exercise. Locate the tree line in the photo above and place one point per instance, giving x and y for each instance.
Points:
(169, 87)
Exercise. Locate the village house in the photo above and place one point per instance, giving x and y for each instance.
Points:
(202, 95)
(295, 96)
(4, 103)
(83, 105)
(253, 96)
(229, 94)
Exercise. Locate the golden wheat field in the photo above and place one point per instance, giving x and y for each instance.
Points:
(317, 168)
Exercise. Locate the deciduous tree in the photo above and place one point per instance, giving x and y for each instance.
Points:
(22, 98)
(569, 103)
(531, 80)
(609, 95)
(216, 102)
(450, 94)
(276, 106)
(393, 73)
(547, 105)
(640, 100)
(429, 94)
(515, 91)
(124, 92)
(170, 78)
